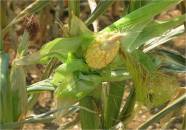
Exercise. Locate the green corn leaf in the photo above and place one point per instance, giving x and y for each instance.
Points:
(184, 122)
(3, 14)
(135, 4)
(113, 103)
(130, 38)
(172, 67)
(19, 94)
(178, 103)
(31, 9)
(59, 48)
(172, 55)
(23, 45)
(140, 16)
(44, 85)
(89, 120)
(100, 9)
(5, 90)
(74, 7)
(128, 110)
(147, 60)
(155, 29)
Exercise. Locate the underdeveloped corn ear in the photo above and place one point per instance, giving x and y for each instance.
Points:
(153, 88)
(161, 88)
(102, 51)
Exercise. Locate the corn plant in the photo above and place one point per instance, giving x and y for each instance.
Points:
(95, 67)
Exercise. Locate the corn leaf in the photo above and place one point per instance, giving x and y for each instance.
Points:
(154, 29)
(23, 45)
(128, 110)
(135, 4)
(44, 85)
(172, 67)
(77, 88)
(140, 16)
(167, 36)
(178, 103)
(100, 9)
(172, 55)
(89, 120)
(6, 113)
(74, 7)
(113, 103)
(19, 94)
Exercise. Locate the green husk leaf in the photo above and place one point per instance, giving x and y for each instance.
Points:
(77, 86)
(59, 48)
(70, 80)
(80, 29)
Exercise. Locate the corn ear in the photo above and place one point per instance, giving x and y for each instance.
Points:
(102, 51)
(148, 81)
(89, 120)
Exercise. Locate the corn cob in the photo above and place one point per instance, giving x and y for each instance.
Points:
(102, 51)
